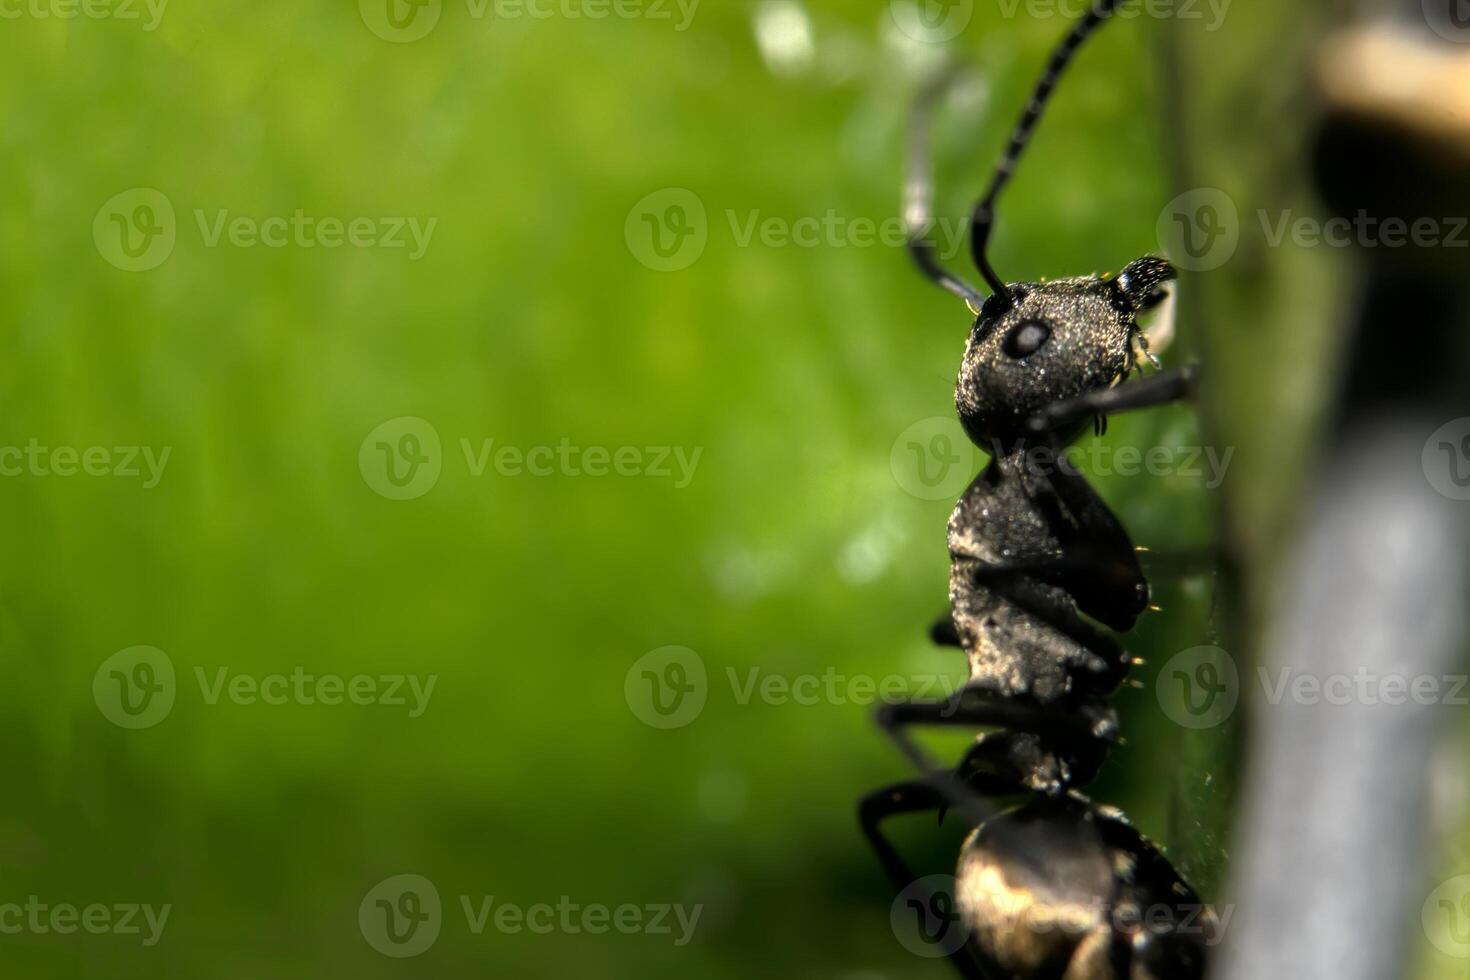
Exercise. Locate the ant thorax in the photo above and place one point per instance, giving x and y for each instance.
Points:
(1009, 625)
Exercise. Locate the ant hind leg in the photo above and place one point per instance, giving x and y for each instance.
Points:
(915, 796)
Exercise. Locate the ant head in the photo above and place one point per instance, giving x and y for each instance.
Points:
(1040, 343)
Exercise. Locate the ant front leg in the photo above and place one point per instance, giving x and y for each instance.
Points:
(1156, 389)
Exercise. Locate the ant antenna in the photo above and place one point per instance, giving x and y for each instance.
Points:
(983, 218)
(918, 191)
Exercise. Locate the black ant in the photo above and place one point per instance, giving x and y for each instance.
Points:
(1057, 887)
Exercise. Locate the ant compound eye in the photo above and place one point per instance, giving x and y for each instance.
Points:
(1026, 338)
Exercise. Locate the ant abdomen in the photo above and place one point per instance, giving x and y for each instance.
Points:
(1063, 888)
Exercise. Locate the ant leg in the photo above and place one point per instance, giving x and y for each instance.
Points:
(1111, 591)
(1172, 564)
(901, 798)
(971, 709)
(1156, 389)
(1102, 953)
(918, 193)
(1109, 588)
(914, 796)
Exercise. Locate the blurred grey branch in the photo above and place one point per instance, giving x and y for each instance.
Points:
(1329, 863)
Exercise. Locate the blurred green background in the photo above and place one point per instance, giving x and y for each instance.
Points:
(534, 318)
